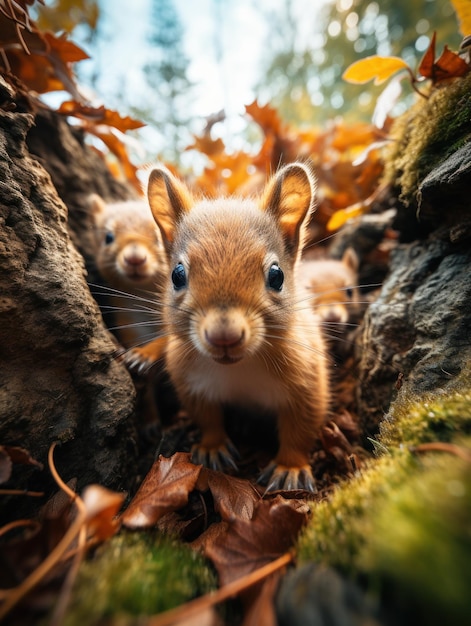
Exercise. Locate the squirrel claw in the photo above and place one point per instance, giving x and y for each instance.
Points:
(217, 459)
(280, 478)
(135, 362)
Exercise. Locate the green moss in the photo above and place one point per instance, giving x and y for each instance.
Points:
(427, 134)
(435, 419)
(420, 542)
(403, 523)
(341, 525)
(137, 574)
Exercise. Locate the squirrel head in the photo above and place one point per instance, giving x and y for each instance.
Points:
(232, 260)
(128, 248)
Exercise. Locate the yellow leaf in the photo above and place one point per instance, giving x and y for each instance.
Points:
(340, 217)
(463, 13)
(379, 68)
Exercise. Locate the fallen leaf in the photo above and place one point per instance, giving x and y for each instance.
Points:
(374, 67)
(234, 498)
(14, 454)
(102, 506)
(165, 488)
(246, 545)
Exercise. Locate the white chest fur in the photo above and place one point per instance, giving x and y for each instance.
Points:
(246, 383)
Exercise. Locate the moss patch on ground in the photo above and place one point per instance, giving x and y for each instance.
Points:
(136, 574)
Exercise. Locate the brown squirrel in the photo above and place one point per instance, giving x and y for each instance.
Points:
(130, 257)
(332, 287)
(236, 331)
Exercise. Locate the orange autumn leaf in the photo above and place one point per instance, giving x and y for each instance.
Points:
(266, 117)
(463, 13)
(207, 145)
(99, 115)
(374, 67)
(66, 50)
(109, 137)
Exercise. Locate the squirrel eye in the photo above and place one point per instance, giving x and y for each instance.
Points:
(275, 277)
(109, 237)
(179, 276)
(349, 293)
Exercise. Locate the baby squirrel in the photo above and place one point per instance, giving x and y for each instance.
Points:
(332, 285)
(237, 330)
(130, 257)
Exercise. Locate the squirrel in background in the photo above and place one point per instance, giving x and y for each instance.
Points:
(237, 328)
(130, 257)
(331, 285)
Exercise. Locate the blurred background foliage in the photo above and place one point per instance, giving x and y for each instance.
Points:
(298, 75)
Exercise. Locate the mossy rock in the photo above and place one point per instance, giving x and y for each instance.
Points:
(136, 574)
(428, 134)
(401, 525)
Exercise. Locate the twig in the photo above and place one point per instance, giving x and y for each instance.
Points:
(440, 446)
(18, 593)
(19, 523)
(228, 591)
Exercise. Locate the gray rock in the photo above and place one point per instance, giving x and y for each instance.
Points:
(59, 379)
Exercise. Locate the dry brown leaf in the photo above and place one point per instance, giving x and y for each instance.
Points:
(448, 65)
(234, 498)
(102, 506)
(247, 545)
(165, 488)
(14, 454)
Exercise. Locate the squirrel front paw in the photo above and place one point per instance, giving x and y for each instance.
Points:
(139, 360)
(281, 478)
(220, 458)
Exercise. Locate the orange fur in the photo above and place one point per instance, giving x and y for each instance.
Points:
(235, 336)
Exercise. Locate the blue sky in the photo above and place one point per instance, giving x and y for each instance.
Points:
(224, 42)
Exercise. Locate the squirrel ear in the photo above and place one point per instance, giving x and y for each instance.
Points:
(350, 259)
(96, 203)
(169, 199)
(289, 197)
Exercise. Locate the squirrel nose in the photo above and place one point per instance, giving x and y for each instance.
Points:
(225, 338)
(135, 257)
